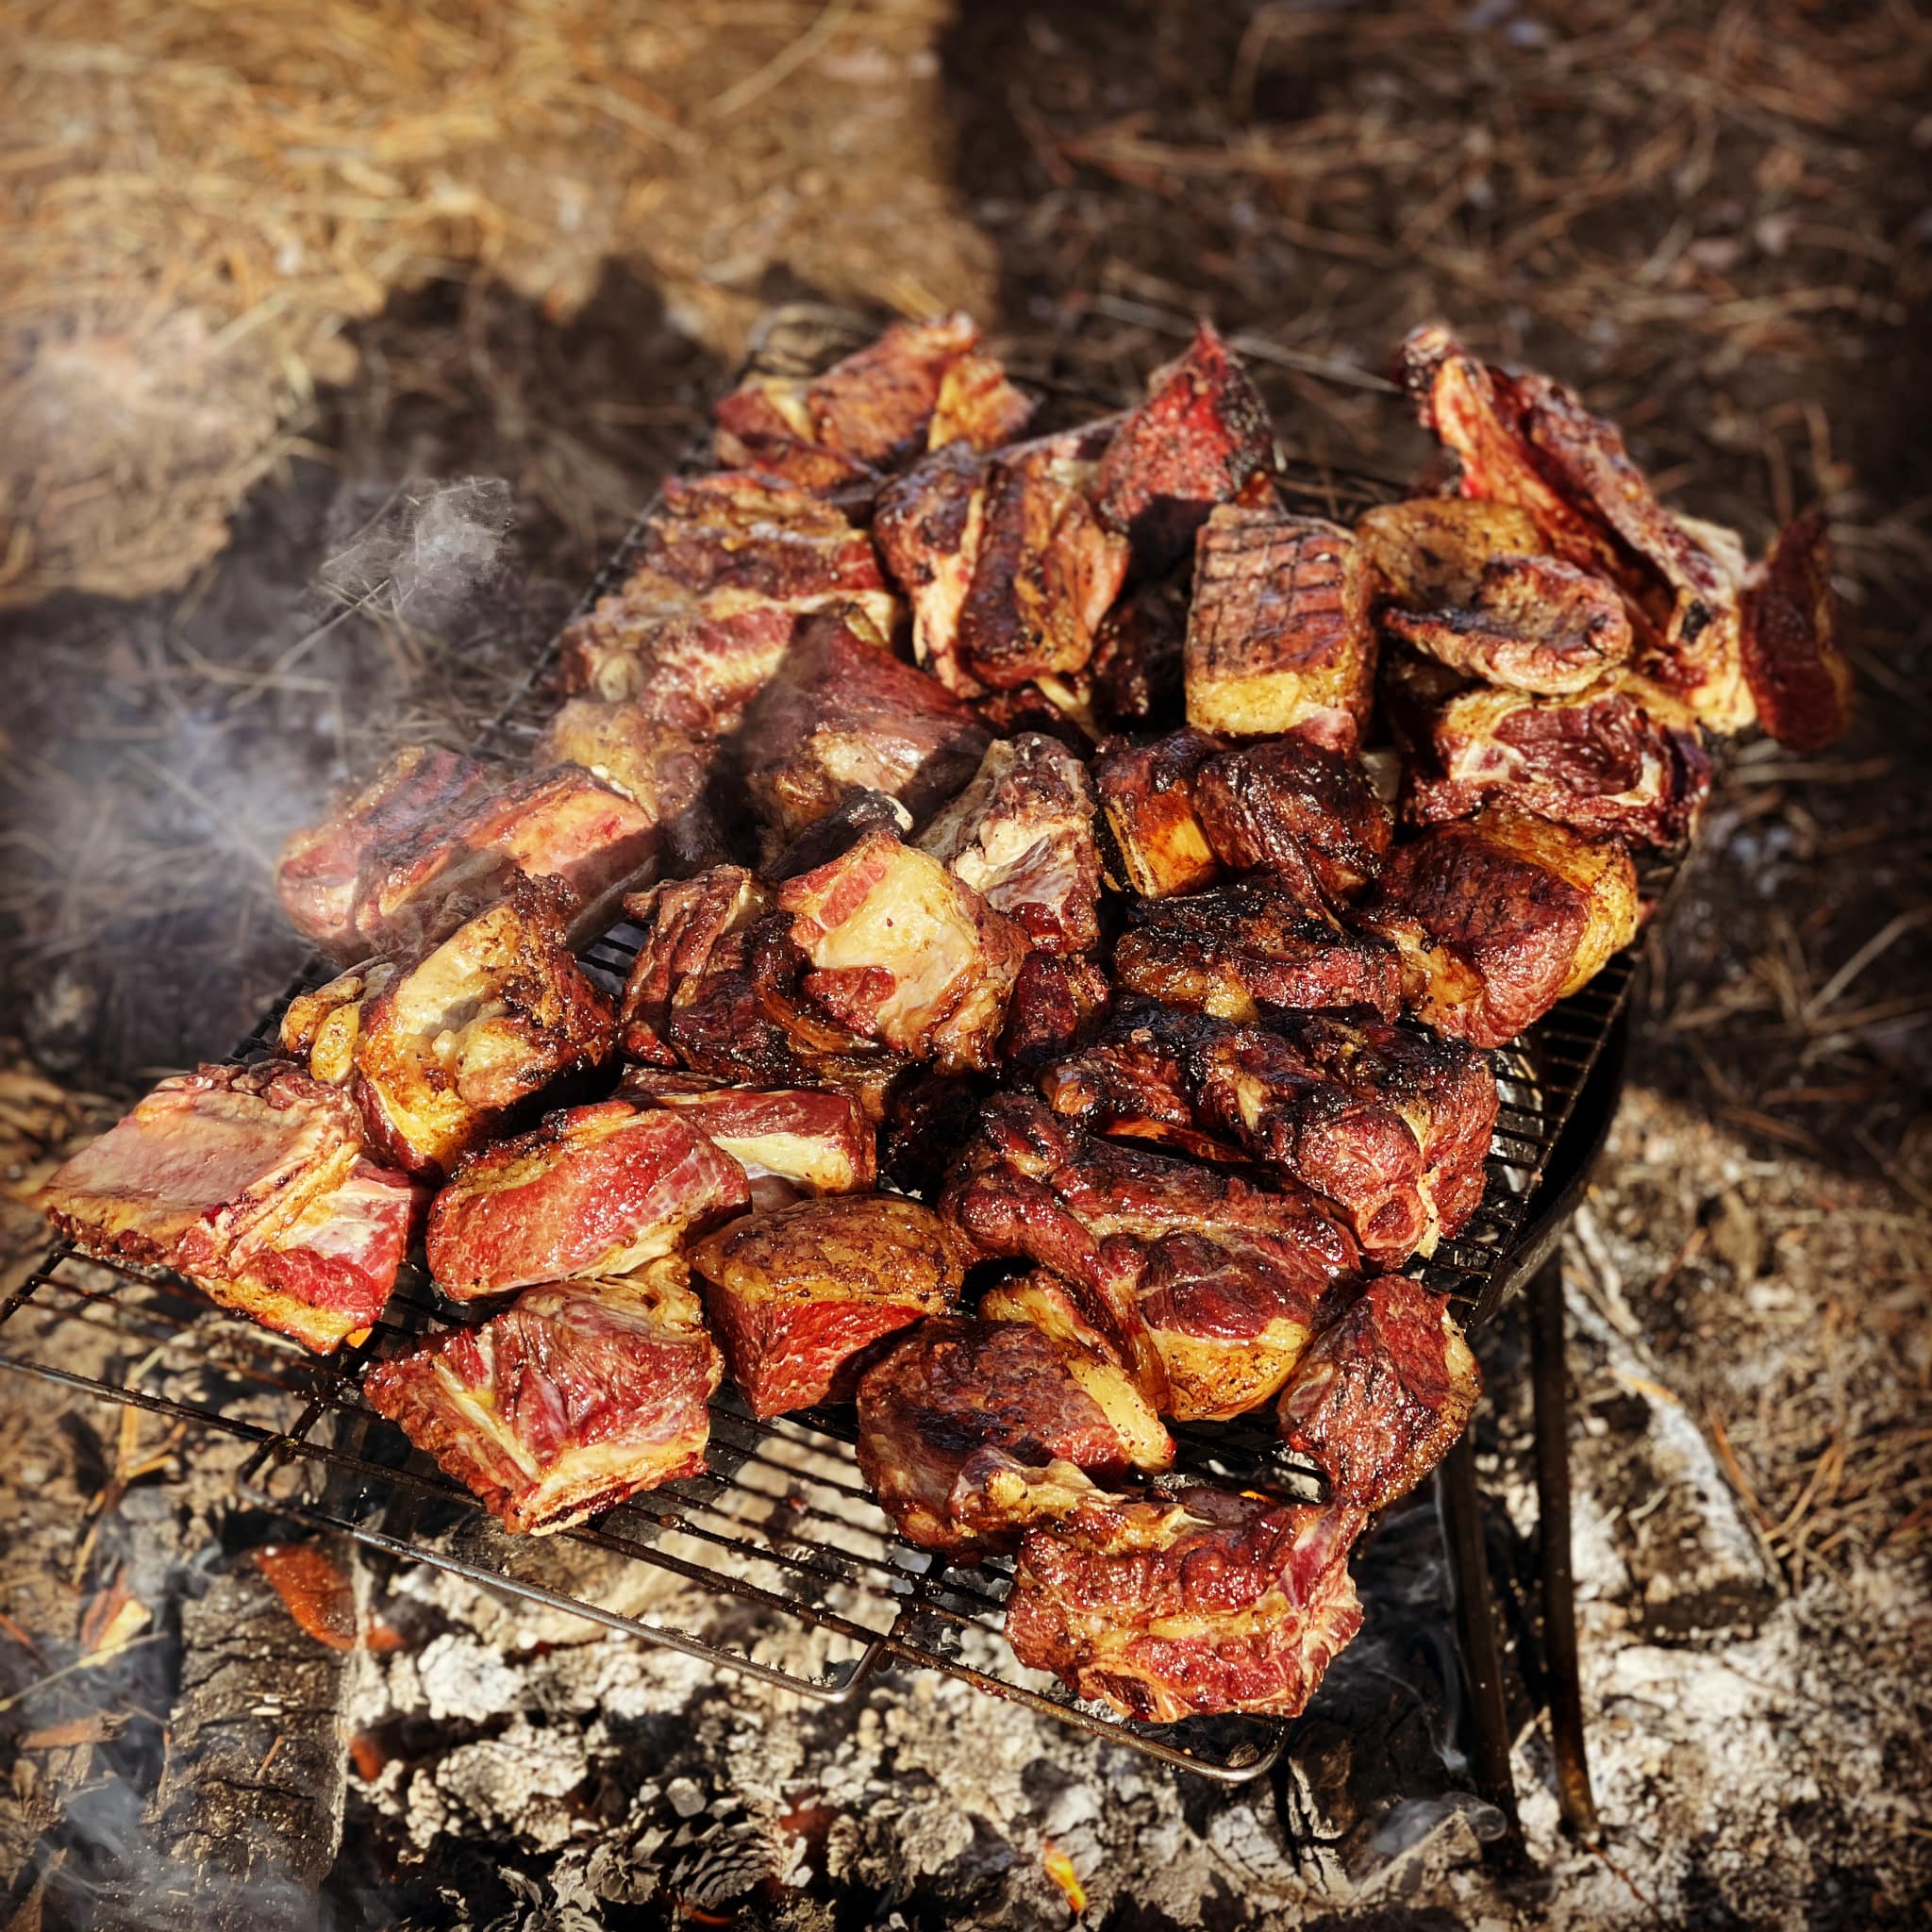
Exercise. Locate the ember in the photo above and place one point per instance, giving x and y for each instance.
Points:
(1059, 1867)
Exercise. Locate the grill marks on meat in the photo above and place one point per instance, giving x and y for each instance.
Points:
(969, 1431)
(1797, 675)
(1148, 794)
(1382, 1393)
(576, 1397)
(255, 1182)
(1260, 942)
(1201, 1282)
(905, 952)
(920, 384)
(1297, 808)
(595, 1190)
(1387, 1123)
(1208, 1602)
(1202, 438)
(1498, 917)
(1623, 757)
(843, 716)
(1021, 835)
(800, 1294)
(1278, 635)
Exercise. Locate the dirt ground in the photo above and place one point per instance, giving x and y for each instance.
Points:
(1711, 219)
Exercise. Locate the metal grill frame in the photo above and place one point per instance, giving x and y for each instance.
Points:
(821, 1553)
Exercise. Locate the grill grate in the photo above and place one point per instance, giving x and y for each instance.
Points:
(780, 1526)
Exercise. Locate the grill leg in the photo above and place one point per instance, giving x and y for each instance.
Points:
(1476, 1636)
(1551, 1387)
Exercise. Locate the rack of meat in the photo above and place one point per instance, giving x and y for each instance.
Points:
(957, 1062)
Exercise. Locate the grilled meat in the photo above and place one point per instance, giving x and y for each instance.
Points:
(1148, 794)
(789, 1141)
(920, 384)
(969, 1431)
(681, 922)
(1429, 552)
(1295, 807)
(1389, 1123)
(930, 1115)
(255, 1182)
(576, 1396)
(800, 1294)
(443, 1051)
(845, 716)
(1259, 942)
(1188, 1605)
(1498, 917)
(837, 833)
(1382, 1393)
(904, 951)
(1623, 757)
(623, 745)
(1021, 835)
(1203, 1283)
(595, 1190)
(1202, 438)
(1798, 677)
(1137, 657)
(928, 527)
(1278, 635)
(1056, 1000)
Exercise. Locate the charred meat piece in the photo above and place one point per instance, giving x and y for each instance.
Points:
(905, 952)
(682, 922)
(1137, 657)
(576, 1396)
(969, 1431)
(1278, 635)
(1498, 917)
(1021, 835)
(837, 833)
(1257, 942)
(1297, 808)
(486, 1021)
(1201, 1282)
(1623, 757)
(595, 1190)
(1202, 438)
(625, 746)
(1429, 553)
(319, 877)
(874, 411)
(1526, 440)
(1798, 677)
(930, 1114)
(1382, 1393)
(1045, 571)
(1179, 1608)
(794, 1140)
(255, 1182)
(1147, 794)
(1056, 1000)
(928, 527)
(798, 1295)
(843, 716)
(1389, 1123)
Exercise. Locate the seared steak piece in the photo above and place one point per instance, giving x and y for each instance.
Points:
(1387, 1123)
(799, 1294)
(843, 716)
(1498, 917)
(905, 952)
(1021, 835)
(930, 1114)
(1137, 657)
(1147, 794)
(682, 922)
(969, 1431)
(439, 1053)
(791, 1141)
(623, 744)
(920, 385)
(1202, 438)
(1382, 1393)
(255, 1182)
(837, 833)
(1798, 677)
(1429, 552)
(1203, 1283)
(1278, 635)
(1056, 1000)
(596, 1189)
(576, 1396)
(1185, 1605)
(1297, 808)
(1623, 757)
(1259, 942)
(928, 527)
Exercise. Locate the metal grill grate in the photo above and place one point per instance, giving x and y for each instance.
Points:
(781, 1525)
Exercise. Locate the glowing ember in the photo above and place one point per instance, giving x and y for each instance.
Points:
(313, 1590)
(1059, 1867)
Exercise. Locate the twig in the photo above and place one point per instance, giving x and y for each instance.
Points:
(79, 1663)
(783, 63)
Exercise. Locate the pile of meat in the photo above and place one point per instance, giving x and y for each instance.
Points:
(1072, 899)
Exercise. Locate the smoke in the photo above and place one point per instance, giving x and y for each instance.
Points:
(428, 552)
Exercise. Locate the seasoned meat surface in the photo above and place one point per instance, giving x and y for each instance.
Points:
(1148, 794)
(789, 1141)
(799, 1294)
(1382, 1393)
(1796, 673)
(1056, 1001)
(928, 527)
(1137, 657)
(256, 1183)
(682, 922)
(1297, 808)
(968, 1431)
(576, 1396)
